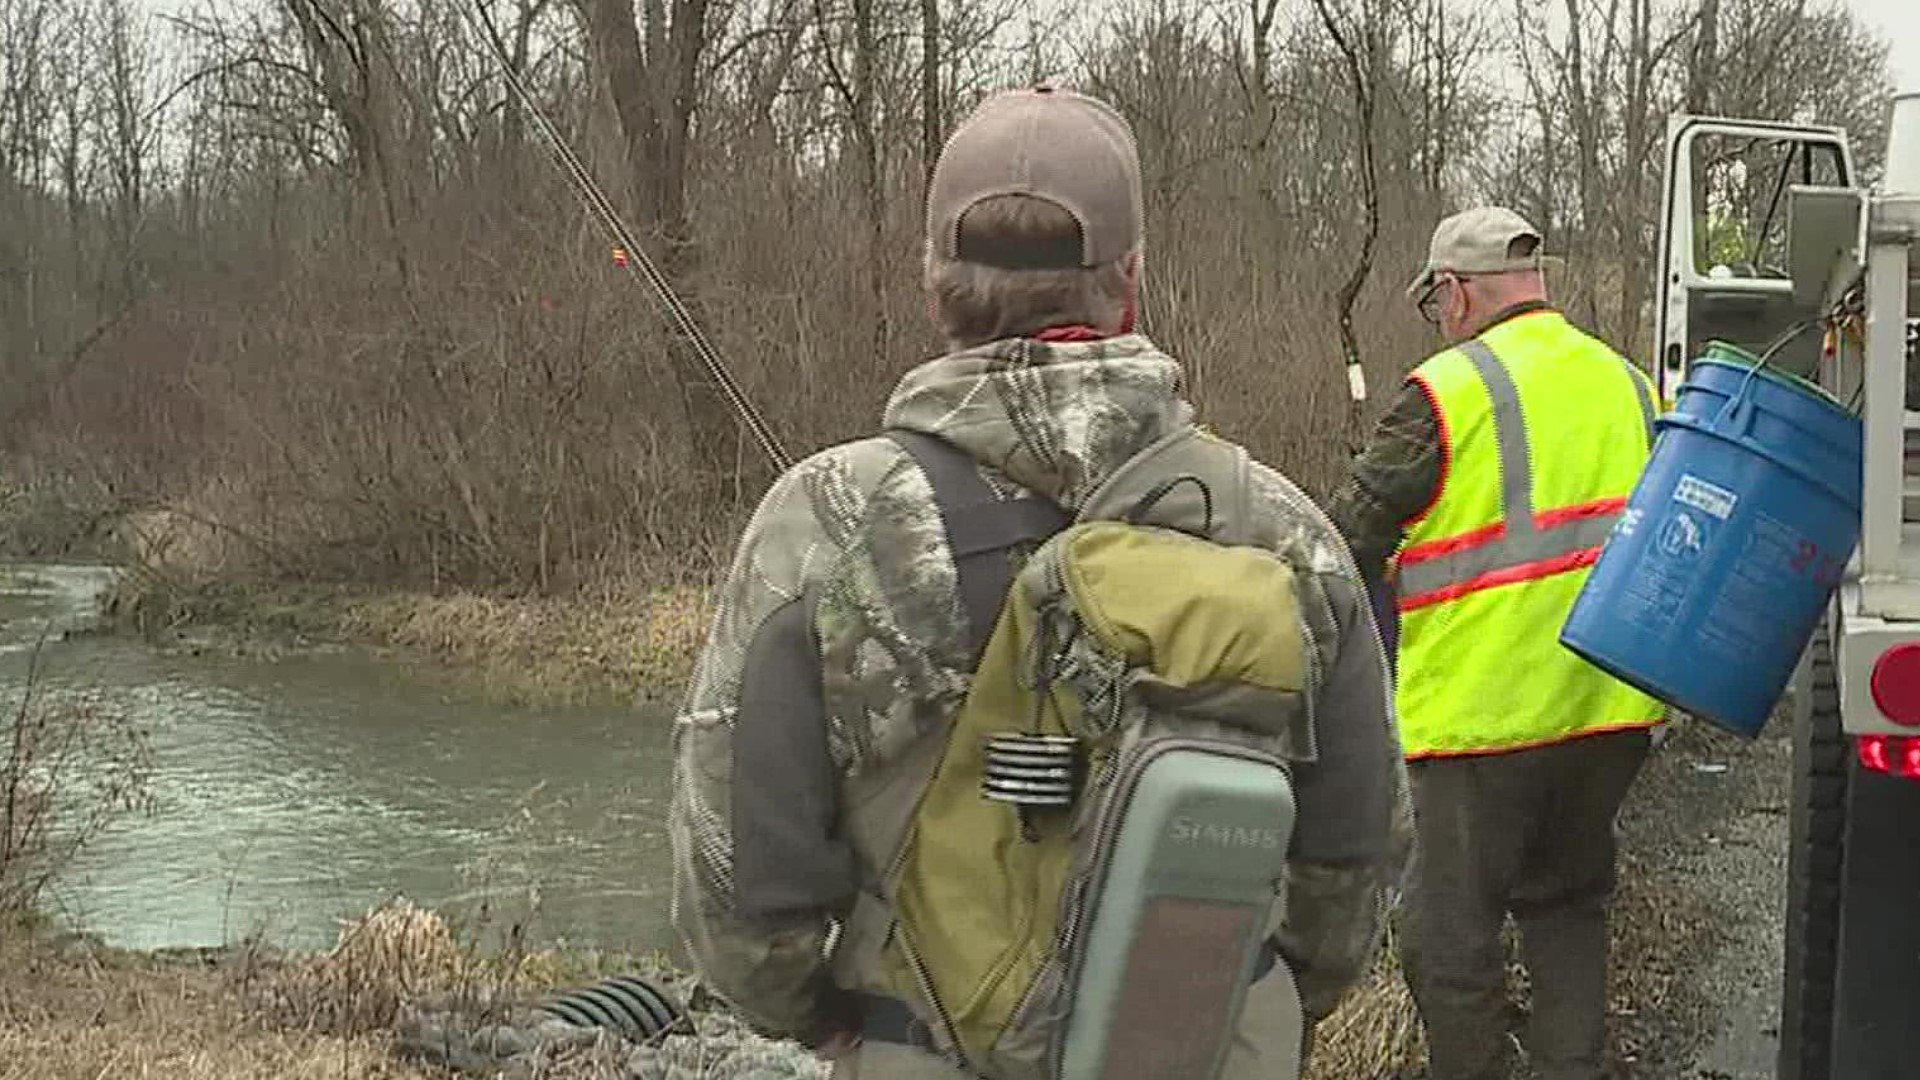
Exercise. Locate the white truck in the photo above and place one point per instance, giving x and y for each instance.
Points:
(1770, 240)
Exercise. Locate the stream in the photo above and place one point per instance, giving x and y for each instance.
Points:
(287, 794)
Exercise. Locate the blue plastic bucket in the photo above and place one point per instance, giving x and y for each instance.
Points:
(1719, 569)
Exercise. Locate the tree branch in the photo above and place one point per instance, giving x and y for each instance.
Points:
(1360, 84)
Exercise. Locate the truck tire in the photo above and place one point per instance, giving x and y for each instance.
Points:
(1815, 850)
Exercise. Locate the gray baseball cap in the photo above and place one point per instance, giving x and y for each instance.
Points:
(1071, 150)
(1476, 241)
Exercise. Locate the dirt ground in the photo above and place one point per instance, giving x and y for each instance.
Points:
(1694, 991)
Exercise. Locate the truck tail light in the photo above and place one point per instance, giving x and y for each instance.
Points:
(1894, 755)
(1896, 684)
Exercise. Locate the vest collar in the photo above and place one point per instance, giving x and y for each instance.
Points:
(1514, 311)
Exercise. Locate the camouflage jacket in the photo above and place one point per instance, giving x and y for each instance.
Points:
(800, 688)
(1395, 477)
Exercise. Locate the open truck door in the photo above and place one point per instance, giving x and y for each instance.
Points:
(1770, 241)
(1724, 249)
(1726, 253)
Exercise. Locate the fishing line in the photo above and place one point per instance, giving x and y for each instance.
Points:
(640, 265)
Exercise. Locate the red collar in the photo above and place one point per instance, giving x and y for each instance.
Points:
(1069, 333)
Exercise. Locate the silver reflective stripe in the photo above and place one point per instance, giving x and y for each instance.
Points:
(1646, 399)
(1532, 546)
(1509, 426)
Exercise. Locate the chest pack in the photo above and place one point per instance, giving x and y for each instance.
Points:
(1091, 873)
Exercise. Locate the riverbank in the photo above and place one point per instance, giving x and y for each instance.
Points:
(190, 587)
(619, 643)
(400, 999)
(76, 1011)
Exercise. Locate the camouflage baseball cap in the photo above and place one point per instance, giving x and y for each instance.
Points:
(1071, 150)
(1477, 241)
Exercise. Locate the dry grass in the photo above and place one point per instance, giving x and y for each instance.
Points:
(1374, 1034)
(390, 956)
(91, 1016)
(543, 650)
(78, 1011)
(44, 515)
(92, 1013)
(89, 1013)
(615, 643)
(185, 540)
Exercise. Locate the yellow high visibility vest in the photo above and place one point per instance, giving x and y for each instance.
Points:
(1544, 432)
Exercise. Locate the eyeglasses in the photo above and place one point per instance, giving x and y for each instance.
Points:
(1429, 303)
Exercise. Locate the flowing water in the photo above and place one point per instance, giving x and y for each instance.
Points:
(289, 793)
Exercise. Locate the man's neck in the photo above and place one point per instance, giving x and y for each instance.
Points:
(1514, 311)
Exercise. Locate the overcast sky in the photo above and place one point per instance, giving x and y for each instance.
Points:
(1899, 20)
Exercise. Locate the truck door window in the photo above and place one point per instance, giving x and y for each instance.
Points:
(1740, 201)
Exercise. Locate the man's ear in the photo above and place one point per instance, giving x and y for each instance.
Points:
(1460, 302)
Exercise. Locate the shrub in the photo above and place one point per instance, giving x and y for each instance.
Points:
(68, 769)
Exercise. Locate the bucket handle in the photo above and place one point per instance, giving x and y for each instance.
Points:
(1735, 418)
(1739, 410)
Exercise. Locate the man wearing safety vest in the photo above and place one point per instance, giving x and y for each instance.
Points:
(1491, 484)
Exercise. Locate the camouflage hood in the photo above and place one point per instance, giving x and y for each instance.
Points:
(1054, 417)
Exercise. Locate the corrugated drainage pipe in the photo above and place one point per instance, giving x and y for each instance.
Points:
(627, 1004)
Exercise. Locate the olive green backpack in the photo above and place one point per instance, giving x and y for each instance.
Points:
(1091, 873)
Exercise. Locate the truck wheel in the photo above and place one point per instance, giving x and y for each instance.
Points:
(1815, 845)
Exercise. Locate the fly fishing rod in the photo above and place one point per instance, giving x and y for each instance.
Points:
(639, 265)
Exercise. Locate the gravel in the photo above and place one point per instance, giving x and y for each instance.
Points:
(1702, 907)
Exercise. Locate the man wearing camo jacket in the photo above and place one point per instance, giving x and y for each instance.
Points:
(839, 635)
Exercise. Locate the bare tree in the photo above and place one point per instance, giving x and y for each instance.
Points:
(1359, 43)
(855, 85)
(653, 81)
(381, 341)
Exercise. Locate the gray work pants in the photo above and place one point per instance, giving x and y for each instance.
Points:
(1531, 833)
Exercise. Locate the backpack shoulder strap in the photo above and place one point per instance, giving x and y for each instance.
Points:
(980, 527)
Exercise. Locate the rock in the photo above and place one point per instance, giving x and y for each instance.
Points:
(528, 1043)
(724, 1057)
